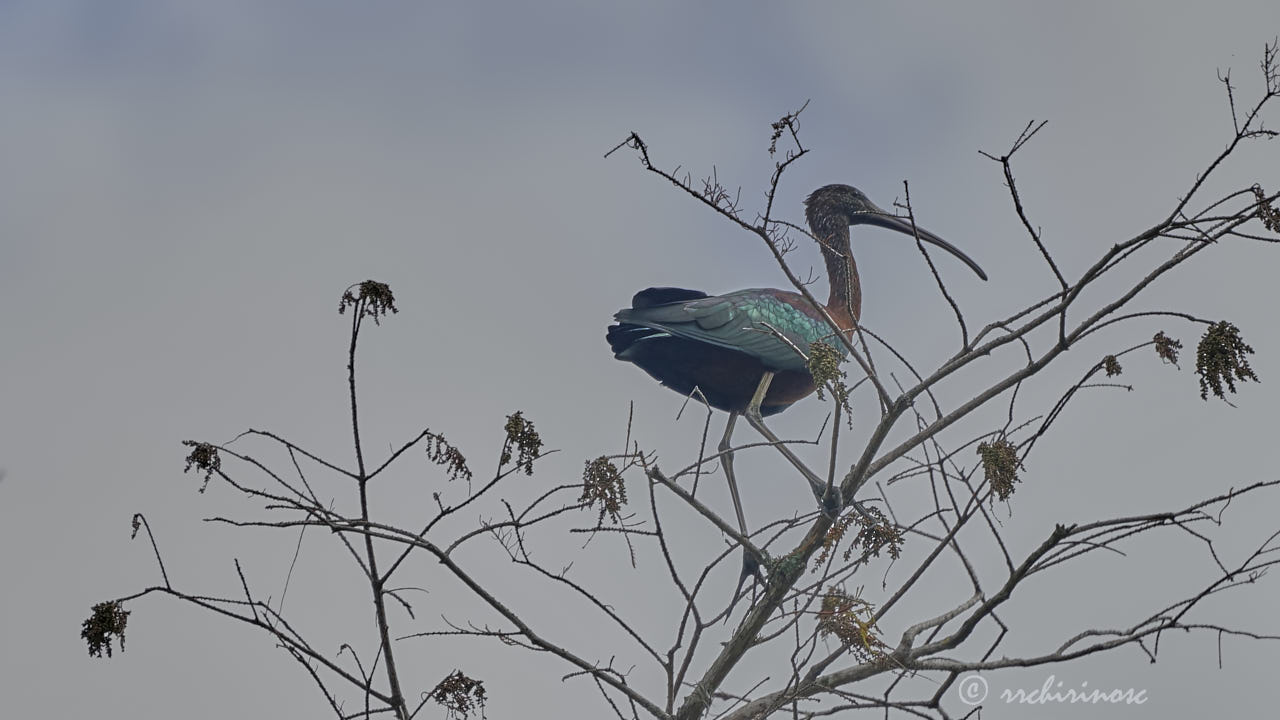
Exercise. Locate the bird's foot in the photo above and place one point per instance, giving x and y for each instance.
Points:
(751, 569)
(832, 502)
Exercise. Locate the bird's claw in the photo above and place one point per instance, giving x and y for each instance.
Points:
(832, 502)
(750, 568)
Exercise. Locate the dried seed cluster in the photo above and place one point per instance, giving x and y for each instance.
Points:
(851, 620)
(875, 533)
(203, 457)
(1167, 348)
(1111, 365)
(1000, 465)
(824, 365)
(108, 619)
(1267, 213)
(601, 482)
(1220, 360)
(441, 452)
(372, 299)
(460, 695)
(524, 438)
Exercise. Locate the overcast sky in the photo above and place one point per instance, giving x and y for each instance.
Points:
(186, 189)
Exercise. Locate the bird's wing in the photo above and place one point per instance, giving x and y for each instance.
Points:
(654, 296)
(744, 321)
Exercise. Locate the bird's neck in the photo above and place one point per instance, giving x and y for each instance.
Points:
(845, 301)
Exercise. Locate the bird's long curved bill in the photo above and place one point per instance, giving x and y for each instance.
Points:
(893, 222)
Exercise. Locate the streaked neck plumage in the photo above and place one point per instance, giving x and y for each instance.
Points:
(845, 300)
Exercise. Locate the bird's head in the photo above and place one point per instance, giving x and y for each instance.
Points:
(839, 201)
(832, 208)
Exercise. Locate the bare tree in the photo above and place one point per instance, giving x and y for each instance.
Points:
(921, 495)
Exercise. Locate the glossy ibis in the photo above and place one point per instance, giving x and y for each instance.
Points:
(739, 349)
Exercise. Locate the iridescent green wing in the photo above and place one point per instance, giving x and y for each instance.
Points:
(748, 321)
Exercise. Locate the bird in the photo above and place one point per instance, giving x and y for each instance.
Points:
(744, 352)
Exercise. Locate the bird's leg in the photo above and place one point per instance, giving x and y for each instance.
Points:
(750, 563)
(726, 458)
(828, 495)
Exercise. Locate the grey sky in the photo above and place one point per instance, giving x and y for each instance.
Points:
(186, 188)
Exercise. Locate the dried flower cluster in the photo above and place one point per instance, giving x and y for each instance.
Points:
(1220, 358)
(1167, 348)
(108, 619)
(875, 533)
(460, 695)
(851, 620)
(788, 122)
(1267, 213)
(1000, 465)
(601, 482)
(440, 452)
(1111, 365)
(525, 439)
(824, 365)
(374, 300)
(203, 457)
